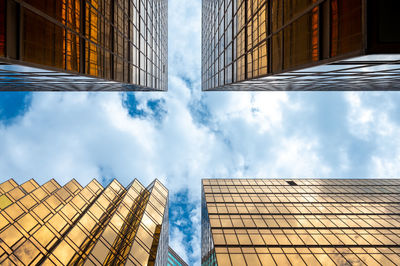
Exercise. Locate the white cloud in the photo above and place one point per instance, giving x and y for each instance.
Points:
(195, 242)
(177, 243)
(261, 110)
(299, 158)
(360, 118)
(370, 119)
(184, 38)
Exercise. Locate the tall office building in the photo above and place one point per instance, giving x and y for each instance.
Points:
(83, 45)
(174, 259)
(300, 45)
(300, 222)
(91, 225)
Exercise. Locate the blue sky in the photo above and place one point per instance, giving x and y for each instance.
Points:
(184, 135)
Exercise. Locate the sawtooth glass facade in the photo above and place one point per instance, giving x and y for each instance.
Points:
(91, 225)
(83, 45)
(300, 45)
(300, 222)
(174, 259)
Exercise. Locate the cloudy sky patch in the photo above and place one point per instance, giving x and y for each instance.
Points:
(185, 135)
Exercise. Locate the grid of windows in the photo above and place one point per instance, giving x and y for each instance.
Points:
(248, 44)
(71, 224)
(300, 222)
(12, 192)
(95, 41)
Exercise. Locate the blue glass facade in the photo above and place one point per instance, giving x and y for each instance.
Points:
(174, 259)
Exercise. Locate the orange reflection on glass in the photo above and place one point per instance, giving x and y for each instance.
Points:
(315, 33)
(70, 17)
(92, 33)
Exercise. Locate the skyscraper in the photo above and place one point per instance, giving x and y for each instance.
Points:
(174, 259)
(300, 45)
(83, 45)
(300, 222)
(91, 225)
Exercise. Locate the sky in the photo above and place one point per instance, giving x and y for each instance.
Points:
(184, 135)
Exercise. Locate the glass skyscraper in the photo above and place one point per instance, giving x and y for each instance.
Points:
(83, 45)
(300, 222)
(91, 225)
(300, 45)
(174, 259)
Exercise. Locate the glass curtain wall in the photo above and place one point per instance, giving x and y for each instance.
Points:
(300, 222)
(123, 41)
(92, 225)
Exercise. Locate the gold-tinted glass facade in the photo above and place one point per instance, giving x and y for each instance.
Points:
(91, 225)
(100, 44)
(300, 222)
(276, 44)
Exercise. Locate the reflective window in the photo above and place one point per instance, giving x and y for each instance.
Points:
(262, 44)
(300, 222)
(71, 225)
(96, 39)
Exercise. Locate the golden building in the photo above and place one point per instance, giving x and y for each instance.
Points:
(91, 225)
(83, 44)
(300, 222)
(300, 45)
